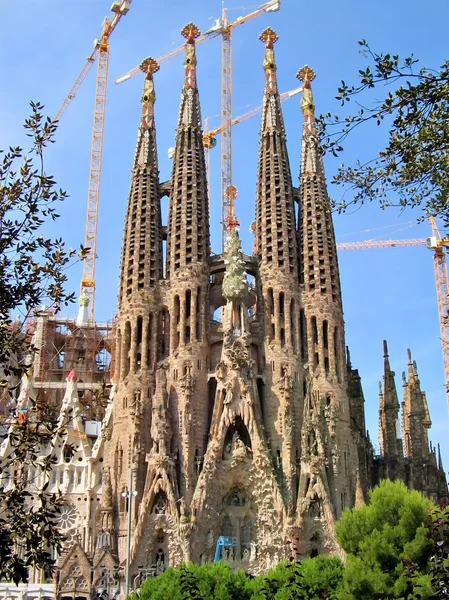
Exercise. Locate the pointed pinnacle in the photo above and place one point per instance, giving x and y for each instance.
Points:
(440, 462)
(381, 391)
(306, 74)
(190, 32)
(348, 358)
(149, 65)
(268, 37)
(385, 348)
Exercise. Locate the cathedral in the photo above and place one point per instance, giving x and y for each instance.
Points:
(234, 410)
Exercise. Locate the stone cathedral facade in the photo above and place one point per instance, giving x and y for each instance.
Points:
(251, 425)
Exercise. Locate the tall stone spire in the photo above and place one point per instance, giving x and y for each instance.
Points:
(188, 219)
(188, 278)
(389, 427)
(138, 330)
(275, 239)
(317, 250)
(277, 254)
(415, 414)
(141, 263)
(322, 328)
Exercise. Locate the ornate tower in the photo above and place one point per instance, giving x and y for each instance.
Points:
(322, 328)
(188, 281)
(138, 321)
(277, 255)
(390, 436)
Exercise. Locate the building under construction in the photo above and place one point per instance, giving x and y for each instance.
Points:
(248, 427)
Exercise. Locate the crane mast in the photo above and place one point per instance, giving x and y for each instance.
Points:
(226, 122)
(438, 244)
(101, 49)
(93, 193)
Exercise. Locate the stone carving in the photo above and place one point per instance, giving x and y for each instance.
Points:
(160, 424)
(187, 382)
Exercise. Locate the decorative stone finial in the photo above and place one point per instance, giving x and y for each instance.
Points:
(190, 32)
(231, 219)
(306, 74)
(269, 38)
(148, 66)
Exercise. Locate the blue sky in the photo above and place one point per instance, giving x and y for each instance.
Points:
(387, 294)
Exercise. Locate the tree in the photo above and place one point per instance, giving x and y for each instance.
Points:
(413, 169)
(436, 586)
(213, 581)
(313, 579)
(32, 271)
(378, 538)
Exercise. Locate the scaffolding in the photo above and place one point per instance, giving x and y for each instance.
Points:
(61, 346)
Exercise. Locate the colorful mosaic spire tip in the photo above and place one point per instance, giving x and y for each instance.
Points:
(268, 37)
(190, 32)
(149, 65)
(306, 74)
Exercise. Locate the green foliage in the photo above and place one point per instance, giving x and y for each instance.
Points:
(315, 579)
(211, 581)
(32, 271)
(412, 170)
(379, 537)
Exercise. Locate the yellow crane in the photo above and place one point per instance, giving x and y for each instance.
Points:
(210, 135)
(101, 51)
(224, 28)
(438, 245)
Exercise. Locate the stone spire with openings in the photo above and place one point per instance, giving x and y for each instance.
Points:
(138, 332)
(415, 414)
(141, 263)
(188, 219)
(322, 328)
(389, 425)
(277, 254)
(188, 280)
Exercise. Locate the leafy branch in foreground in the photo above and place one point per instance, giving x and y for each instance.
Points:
(32, 272)
(32, 266)
(413, 169)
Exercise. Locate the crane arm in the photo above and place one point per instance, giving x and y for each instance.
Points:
(254, 111)
(108, 26)
(271, 6)
(218, 29)
(381, 244)
(75, 87)
(203, 38)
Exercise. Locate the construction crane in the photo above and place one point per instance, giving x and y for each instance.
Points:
(224, 28)
(439, 246)
(228, 191)
(209, 136)
(100, 50)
